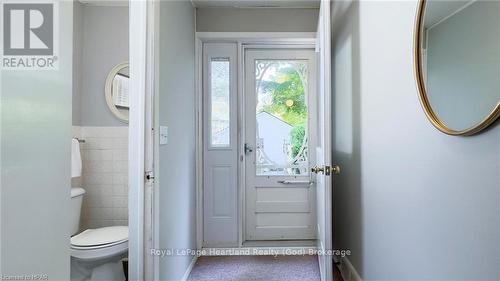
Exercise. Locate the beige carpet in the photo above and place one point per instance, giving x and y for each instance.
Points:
(256, 268)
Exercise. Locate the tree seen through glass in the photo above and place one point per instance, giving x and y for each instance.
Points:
(281, 89)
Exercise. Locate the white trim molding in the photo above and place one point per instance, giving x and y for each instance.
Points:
(189, 269)
(199, 142)
(347, 270)
(256, 37)
(151, 202)
(138, 59)
(105, 3)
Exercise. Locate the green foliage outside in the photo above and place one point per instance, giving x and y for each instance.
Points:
(287, 86)
(297, 135)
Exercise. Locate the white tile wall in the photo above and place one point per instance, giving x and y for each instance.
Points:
(105, 176)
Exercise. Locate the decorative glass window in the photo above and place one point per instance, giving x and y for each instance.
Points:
(281, 117)
(220, 103)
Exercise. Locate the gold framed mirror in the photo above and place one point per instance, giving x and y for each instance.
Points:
(457, 64)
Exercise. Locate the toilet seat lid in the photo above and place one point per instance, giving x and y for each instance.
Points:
(100, 236)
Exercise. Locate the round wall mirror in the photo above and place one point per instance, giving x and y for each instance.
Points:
(116, 91)
(457, 63)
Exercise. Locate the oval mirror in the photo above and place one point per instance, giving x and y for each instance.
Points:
(457, 63)
(116, 91)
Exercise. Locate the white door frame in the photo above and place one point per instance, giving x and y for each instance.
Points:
(243, 40)
(143, 23)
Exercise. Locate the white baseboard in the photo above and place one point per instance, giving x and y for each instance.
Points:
(188, 270)
(347, 270)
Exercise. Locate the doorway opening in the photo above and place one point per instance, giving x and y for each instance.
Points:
(261, 141)
(256, 146)
(262, 133)
(100, 152)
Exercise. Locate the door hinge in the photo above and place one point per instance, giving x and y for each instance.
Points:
(149, 176)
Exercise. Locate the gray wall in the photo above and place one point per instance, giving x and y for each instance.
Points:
(35, 134)
(176, 103)
(104, 44)
(77, 61)
(412, 203)
(256, 20)
(463, 71)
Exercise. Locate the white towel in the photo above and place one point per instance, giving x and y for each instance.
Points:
(76, 159)
(120, 91)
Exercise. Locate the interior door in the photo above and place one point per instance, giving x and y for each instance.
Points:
(280, 86)
(323, 170)
(35, 151)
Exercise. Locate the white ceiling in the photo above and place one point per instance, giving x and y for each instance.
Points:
(257, 3)
(438, 10)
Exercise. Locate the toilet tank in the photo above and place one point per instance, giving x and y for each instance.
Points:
(76, 208)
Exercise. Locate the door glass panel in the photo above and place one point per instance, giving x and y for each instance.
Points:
(220, 111)
(281, 117)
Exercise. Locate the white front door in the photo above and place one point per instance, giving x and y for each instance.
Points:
(280, 129)
(323, 152)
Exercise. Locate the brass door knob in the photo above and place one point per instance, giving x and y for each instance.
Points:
(317, 169)
(327, 170)
(336, 169)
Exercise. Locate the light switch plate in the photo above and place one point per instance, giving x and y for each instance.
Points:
(163, 135)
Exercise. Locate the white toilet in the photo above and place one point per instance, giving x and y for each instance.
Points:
(96, 254)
